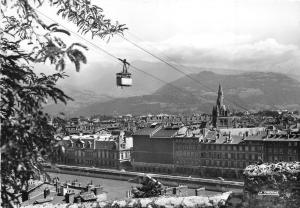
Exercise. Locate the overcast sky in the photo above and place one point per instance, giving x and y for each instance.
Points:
(239, 34)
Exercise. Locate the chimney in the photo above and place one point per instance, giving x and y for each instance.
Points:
(226, 139)
(204, 131)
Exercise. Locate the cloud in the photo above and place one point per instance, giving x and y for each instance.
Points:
(224, 50)
(241, 52)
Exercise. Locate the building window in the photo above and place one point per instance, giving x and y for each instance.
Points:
(280, 151)
(89, 144)
(71, 143)
(292, 159)
(247, 148)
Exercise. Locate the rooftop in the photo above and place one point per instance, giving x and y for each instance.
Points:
(107, 137)
(165, 133)
(147, 130)
(214, 137)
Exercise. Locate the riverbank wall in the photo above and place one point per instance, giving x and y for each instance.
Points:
(167, 180)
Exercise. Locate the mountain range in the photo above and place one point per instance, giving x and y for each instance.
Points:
(242, 91)
(96, 83)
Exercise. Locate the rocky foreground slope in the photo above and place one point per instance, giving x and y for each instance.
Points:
(191, 201)
(267, 185)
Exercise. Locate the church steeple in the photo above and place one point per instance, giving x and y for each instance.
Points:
(220, 114)
(220, 97)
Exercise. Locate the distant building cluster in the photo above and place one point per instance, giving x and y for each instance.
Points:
(103, 149)
(218, 145)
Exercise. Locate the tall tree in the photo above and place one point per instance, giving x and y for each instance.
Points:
(27, 137)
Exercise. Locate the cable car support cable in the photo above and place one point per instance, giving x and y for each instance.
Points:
(121, 60)
(178, 70)
(136, 68)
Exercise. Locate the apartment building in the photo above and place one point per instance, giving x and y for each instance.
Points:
(105, 149)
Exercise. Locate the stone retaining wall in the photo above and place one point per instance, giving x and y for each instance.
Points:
(272, 185)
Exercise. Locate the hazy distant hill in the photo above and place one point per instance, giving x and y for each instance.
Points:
(97, 84)
(253, 90)
(81, 98)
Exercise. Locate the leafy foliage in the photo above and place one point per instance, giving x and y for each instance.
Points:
(88, 18)
(27, 135)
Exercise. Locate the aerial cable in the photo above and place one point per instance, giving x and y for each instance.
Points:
(110, 54)
(119, 59)
(177, 69)
(164, 55)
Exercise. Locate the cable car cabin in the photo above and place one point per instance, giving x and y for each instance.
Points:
(124, 79)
